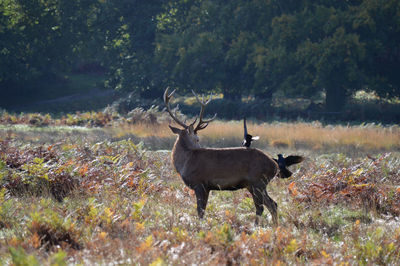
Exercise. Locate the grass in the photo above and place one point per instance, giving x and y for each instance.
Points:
(51, 88)
(73, 84)
(57, 95)
(314, 135)
(132, 208)
(284, 136)
(152, 127)
(69, 195)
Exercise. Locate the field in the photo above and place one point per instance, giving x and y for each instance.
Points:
(95, 189)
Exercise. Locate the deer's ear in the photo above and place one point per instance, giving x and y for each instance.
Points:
(175, 130)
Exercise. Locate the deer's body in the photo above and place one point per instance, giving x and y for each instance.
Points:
(223, 169)
(205, 169)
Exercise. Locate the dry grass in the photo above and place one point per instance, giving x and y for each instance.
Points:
(141, 130)
(153, 123)
(275, 138)
(313, 136)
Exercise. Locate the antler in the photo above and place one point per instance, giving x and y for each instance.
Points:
(203, 123)
(167, 97)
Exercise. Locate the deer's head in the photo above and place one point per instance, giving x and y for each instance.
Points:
(188, 133)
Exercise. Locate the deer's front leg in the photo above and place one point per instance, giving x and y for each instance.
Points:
(202, 197)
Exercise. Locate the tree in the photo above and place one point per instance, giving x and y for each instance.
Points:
(40, 38)
(314, 49)
(27, 38)
(378, 25)
(201, 45)
(127, 31)
(335, 62)
(236, 47)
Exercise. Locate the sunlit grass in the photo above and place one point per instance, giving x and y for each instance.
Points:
(313, 136)
(279, 137)
(141, 130)
(153, 124)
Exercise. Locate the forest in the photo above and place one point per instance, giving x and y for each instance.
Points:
(323, 51)
(86, 176)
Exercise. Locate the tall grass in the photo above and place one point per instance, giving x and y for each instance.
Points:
(280, 136)
(313, 136)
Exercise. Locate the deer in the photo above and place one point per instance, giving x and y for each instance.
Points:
(206, 169)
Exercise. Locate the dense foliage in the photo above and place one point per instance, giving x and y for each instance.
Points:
(299, 47)
(241, 47)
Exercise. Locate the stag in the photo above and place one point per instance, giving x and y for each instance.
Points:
(206, 169)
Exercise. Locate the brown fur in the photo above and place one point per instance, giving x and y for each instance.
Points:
(205, 169)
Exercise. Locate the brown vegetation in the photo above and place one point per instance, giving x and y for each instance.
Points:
(130, 207)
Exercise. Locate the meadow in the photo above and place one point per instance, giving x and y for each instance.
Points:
(95, 188)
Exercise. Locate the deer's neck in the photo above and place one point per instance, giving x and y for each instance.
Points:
(181, 153)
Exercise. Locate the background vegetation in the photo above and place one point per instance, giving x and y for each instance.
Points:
(322, 51)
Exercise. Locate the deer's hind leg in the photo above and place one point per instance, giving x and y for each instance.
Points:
(260, 198)
(272, 206)
(202, 194)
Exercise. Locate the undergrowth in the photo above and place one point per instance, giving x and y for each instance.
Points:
(116, 202)
(106, 118)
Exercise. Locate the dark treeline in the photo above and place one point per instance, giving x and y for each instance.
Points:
(237, 47)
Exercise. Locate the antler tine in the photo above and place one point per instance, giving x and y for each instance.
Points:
(209, 120)
(167, 97)
(202, 123)
(202, 97)
(209, 100)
